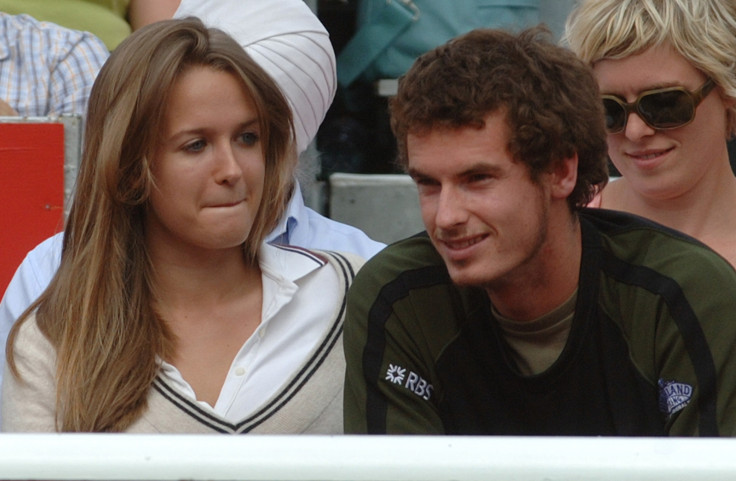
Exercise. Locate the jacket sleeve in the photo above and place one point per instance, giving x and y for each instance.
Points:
(694, 339)
(29, 400)
(389, 377)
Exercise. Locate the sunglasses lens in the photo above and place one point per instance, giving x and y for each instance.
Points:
(615, 115)
(666, 110)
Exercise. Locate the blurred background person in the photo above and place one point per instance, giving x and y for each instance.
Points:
(46, 69)
(169, 311)
(287, 40)
(110, 20)
(667, 72)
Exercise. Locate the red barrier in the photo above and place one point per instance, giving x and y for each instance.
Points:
(32, 193)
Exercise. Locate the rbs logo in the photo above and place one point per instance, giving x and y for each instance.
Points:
(414, 382)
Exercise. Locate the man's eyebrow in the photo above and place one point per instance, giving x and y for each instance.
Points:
(414, 173)
(480, 167)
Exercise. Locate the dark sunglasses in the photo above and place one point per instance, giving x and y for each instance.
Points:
(661, 109)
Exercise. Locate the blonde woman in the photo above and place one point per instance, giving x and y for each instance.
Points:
(169, 312)
(667, 73)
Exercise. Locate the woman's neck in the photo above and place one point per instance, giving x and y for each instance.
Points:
(705, 212)
(202, 278)
(212, 306)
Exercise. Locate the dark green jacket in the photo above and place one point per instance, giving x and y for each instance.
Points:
(650, 351)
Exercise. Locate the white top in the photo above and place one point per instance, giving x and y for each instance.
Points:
(301, 226)
(292, 324)
(276, 382)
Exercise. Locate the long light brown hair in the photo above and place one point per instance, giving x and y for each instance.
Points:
(98, 310)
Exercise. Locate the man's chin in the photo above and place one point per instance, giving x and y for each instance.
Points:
(463, 278)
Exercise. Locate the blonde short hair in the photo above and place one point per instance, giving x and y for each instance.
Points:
(702, 31)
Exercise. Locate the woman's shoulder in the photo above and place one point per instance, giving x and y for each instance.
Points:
(299, 260)
(30, 344)
(611, 195)
(29, 333)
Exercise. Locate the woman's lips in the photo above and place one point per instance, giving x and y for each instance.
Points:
(650, 158)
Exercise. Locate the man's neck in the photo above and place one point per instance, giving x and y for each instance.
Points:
(549, 279)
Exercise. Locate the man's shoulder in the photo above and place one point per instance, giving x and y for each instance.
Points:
(30, 279)
(24, 24)
(632, 235)
(410, 261)
(49, 42)
(41, 263)
(307, 228)
(637, 245)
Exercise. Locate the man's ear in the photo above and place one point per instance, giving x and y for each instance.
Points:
(564, 176)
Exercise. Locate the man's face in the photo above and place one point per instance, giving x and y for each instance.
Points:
(482, 211)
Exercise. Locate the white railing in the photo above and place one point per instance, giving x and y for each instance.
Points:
(377, 458)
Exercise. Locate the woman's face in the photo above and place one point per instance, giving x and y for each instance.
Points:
(663, 164)
(209, 166)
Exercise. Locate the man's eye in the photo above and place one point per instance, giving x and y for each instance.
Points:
(479, 177)
(423, 181)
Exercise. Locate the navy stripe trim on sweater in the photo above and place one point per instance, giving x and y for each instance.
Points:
(216, 423)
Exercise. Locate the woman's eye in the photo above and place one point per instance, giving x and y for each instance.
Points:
(249, 138)
(195, 146)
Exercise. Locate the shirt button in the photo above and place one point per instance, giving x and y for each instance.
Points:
(239, 371)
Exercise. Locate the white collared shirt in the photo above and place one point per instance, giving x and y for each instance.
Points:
(300, 293)
(300, 226)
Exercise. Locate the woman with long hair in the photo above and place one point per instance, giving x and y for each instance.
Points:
(169, 312)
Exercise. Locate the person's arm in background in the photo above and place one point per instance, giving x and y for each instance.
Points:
(75, 70)
(30, 280)
(143, 12)
(6, 110)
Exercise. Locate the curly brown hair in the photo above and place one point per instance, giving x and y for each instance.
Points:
(550, 98)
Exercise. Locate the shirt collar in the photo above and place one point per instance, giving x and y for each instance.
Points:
(288, 263)
(295, 210)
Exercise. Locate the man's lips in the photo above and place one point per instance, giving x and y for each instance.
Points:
(462, 243)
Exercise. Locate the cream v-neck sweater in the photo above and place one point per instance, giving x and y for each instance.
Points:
(309, 402)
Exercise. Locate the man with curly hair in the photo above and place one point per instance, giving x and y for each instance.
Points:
(519, 311)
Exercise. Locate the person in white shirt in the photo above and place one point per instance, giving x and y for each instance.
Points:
(287, 40)
(169, 311)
